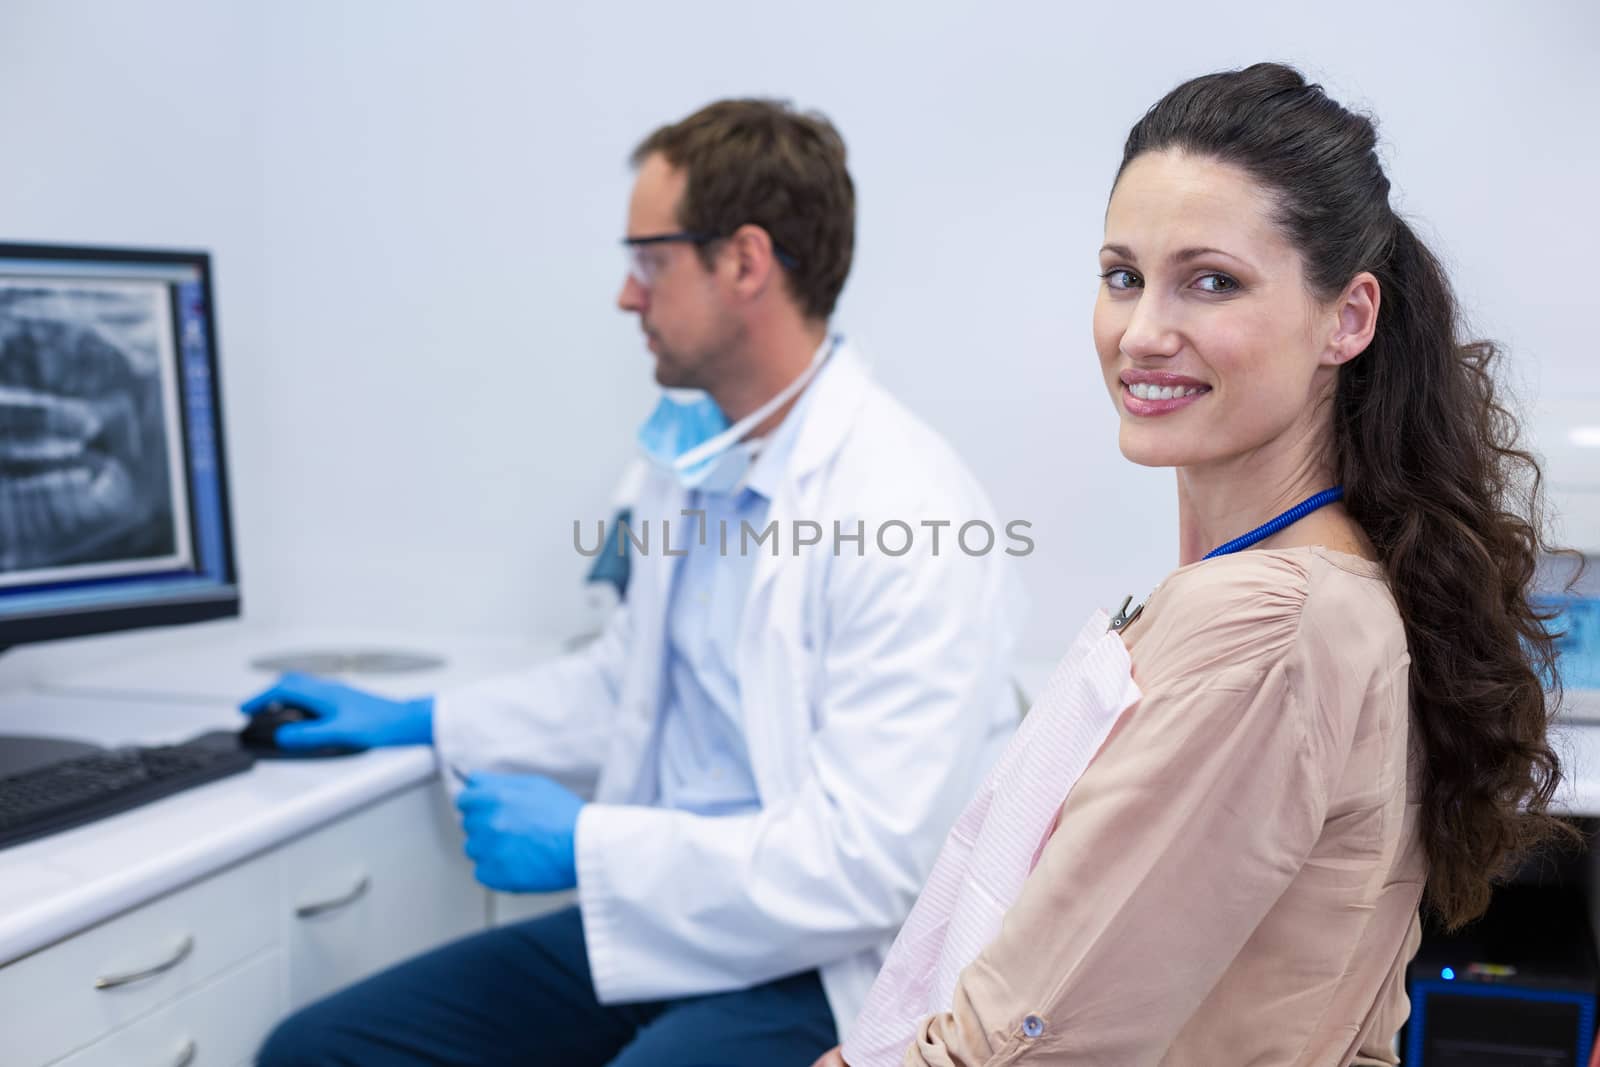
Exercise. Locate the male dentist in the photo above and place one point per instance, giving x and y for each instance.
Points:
(779, 725)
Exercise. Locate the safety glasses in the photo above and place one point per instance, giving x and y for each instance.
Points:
(646, 258)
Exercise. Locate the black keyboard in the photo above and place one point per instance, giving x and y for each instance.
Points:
(80, 789)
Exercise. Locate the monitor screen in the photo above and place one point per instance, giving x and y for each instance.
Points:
(113, 489)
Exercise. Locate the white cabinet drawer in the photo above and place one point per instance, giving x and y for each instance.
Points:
(219, 1025)
(375, 888)
(65, 996)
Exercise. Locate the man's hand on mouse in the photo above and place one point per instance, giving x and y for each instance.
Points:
(521, 831)
(345, 716)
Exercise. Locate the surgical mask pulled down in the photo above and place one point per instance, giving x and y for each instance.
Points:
(688, 435)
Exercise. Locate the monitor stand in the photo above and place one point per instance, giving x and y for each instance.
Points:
(335, 661)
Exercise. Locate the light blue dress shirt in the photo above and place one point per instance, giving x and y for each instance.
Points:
(705, 762)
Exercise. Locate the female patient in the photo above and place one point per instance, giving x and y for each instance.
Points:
(1336, 701)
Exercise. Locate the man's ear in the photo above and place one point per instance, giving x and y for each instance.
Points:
(754, 263)
(1355, 319)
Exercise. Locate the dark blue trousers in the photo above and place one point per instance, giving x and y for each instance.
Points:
(522, 995)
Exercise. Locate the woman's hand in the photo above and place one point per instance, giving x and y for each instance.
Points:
(831, 1058)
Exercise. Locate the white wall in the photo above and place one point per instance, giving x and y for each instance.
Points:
(137, 124)
(415, 209)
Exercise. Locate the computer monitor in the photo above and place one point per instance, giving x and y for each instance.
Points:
(113, 487)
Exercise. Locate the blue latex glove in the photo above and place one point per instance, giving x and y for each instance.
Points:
(348, 716)
(520, 832)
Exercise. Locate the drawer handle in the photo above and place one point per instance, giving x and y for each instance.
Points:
(112, 981)
(307, 911)
(186, 1054)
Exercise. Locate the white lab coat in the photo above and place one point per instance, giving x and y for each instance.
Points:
(876, 693)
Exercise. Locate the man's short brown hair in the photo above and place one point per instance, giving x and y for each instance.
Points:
(762, 163)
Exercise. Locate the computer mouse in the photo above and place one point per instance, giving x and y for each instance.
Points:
(260, 734)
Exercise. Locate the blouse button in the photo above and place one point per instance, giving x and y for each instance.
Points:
(1033, 1026)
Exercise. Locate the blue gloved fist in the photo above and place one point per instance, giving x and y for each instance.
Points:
(520, 830)
(347, 716)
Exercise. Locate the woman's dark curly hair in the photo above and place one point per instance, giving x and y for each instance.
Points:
(1429, 460)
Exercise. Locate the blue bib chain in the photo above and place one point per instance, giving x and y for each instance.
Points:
(1272, 526)
(1328, 496)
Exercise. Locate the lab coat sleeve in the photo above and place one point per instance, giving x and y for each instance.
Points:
(553, 718)
(911, 702)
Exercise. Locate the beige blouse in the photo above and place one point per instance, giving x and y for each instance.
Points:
(1235, 878)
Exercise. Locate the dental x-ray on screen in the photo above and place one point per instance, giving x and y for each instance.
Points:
(91, 476)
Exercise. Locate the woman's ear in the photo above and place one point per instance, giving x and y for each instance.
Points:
(1355, 320)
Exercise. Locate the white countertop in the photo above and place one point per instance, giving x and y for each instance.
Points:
(55, 886)
(213, 662)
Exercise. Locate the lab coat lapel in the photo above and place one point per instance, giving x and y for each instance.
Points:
(774, 653)
(841, 388)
